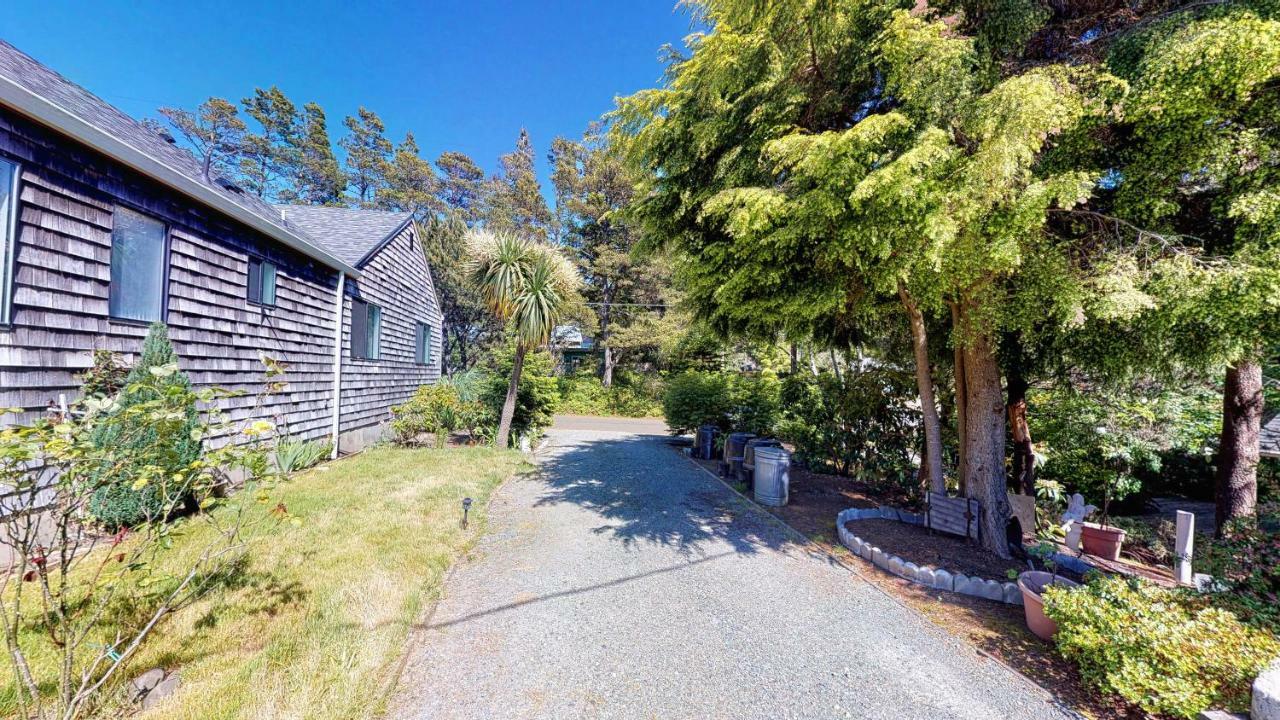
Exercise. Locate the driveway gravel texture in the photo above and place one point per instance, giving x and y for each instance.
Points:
(623, 581)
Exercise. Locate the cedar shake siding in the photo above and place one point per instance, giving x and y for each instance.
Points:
(61, 282)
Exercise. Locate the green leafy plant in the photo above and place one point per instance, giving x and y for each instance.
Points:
(1165, 651)
(293, 453)
(585, 395)
(1246, 561)
(123, 497)
(697, 398)
(106, 377)
(537, 397)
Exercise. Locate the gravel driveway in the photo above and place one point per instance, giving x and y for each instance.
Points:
(627, 583)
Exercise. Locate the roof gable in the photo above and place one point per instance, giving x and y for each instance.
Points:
(351, 234)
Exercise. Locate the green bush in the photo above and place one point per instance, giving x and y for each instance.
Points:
(754, 403)
(1246, 561)
(697, 398)
(1165, 651)
(585, 395)
(537, 398)
(865, 427)
(431, 413)
(123, 499)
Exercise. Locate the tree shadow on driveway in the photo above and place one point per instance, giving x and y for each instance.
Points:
(646, 493)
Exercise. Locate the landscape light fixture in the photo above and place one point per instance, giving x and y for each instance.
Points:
(466, 506)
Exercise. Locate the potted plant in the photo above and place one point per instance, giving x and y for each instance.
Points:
(1032, 584)
(1100, 539)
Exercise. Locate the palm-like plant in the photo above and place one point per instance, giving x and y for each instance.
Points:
(526, 283)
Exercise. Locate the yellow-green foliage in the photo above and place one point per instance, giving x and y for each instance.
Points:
(1163, 651)
(586, 395)
(312, 622)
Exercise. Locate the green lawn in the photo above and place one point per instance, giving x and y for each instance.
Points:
(320, 616)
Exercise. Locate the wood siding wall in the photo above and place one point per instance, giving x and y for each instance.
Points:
(61, 281)
(398, 280)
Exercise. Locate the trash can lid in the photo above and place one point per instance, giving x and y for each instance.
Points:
(772, 453)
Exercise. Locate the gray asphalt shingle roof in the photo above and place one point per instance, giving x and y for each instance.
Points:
(348, 233)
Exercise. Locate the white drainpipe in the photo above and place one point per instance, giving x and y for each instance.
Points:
(337, 363)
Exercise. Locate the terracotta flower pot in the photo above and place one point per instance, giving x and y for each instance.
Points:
(1032, 583)
(1103, 542)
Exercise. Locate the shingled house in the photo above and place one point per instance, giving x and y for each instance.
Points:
(107, 226)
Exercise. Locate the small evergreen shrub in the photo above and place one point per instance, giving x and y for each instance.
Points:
(697, 398)
(124, 495)
(537, 397)
(754, 403)
(1166, 651)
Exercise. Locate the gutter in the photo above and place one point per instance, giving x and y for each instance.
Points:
(337, 362)
(48, 112)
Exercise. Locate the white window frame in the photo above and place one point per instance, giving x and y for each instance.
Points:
(9, 243)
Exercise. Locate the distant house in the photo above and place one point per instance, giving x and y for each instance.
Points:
(107, 226)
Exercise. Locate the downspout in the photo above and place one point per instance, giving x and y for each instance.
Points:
(337, 362)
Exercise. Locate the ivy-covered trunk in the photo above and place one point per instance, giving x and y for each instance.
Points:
(932, 460)
(1236, 487)
(984, 438)
(509, 405)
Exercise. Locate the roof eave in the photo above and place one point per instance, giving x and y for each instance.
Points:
(385, 241)
(49, 113)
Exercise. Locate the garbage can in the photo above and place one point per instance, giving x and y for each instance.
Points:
(704, 442)
(733, 449)
(749, 458)
(772, 476)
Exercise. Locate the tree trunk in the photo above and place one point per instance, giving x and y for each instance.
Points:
(1024, 457)
(606, 308)
(509, 405)
(984, 446)
(795, 359)
(932, 460)
(835, 366)
(1236, 491)
(813, 363)
(961, 396)
(606, 379)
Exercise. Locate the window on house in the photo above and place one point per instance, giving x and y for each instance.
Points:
(262, 282)
(8, 231)
(137, 266)
(366, 330)
(422, 345)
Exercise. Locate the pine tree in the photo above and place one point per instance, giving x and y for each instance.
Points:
(270, 157)
(514, 200)
(461, 186)
(214, 131)
(317, 179)
(411, 184)
(367, 155)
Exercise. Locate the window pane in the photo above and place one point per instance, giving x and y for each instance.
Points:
(8, 207)
(137, 266)
(268, 283)
(426, 344)
(375, 331)
(255, 280)
(359, 328)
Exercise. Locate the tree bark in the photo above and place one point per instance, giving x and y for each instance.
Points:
(835, 366)
(606, 308)
(795, 359)
(607, 378)
(503, 440)
(1236, 486)
(932, 460)
(962, 472)
(1024, 457)
(984, 446)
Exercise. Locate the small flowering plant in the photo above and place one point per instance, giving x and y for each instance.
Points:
(62, 590)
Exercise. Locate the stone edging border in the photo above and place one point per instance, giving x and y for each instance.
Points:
(938, 579)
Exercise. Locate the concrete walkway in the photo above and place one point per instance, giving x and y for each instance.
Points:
(627, 583)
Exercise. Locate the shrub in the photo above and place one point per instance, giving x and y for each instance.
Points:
(105, 378)
(537, 397)
(122, 497)
(1163, 650)
(865, 427)
(754, 403)
(1246, 560)
(697, 398)
(293, 454)
(585, 395)
(432, 412)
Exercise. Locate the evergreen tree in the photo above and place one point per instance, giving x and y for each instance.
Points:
(270, 157)
(461, 187)
(317, 178)
(411, 184)
(469, 327)
(368, 151)
(117, 502)
(513, 198)
(214, 131)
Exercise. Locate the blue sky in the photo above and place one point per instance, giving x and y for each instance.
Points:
(462, 75)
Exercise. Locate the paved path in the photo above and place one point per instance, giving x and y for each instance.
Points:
(628, 583)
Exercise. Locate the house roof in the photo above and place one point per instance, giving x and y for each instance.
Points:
(38, 92)
(351, 234)
(1269, 439)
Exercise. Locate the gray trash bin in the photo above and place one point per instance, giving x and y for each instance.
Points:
(733, 449)
(704, 442)
(749, 458)
(772, 476)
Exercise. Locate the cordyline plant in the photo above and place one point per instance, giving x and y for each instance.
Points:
(76, 605)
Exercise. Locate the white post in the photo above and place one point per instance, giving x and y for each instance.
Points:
(1182, 548)
(339, 305)
(62, 406)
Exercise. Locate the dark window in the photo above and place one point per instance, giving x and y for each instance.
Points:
(262, 282)
(8, 231)
(422, 345)
(137, 266)
(366, 329)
